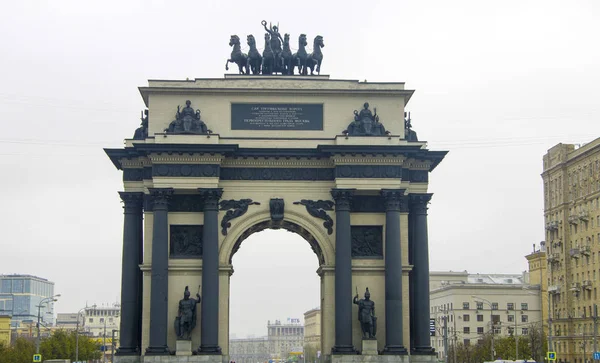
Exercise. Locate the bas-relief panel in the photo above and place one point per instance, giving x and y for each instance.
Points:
(185, 241)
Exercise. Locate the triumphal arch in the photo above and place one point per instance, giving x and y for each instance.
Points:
(215, 160)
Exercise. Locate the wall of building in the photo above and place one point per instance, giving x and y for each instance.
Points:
(572, 220)
(5, 331)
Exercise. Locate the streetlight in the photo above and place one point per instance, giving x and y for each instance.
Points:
(491, 319)
(77, 333)
(45, 300)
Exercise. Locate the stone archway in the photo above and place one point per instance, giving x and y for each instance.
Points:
(305, 227)
(289, 138)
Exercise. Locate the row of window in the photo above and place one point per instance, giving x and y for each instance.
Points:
(496, 318)
(480, 330)
(110, 320)
(509, 306)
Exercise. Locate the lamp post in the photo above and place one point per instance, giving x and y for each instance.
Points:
(77, 332)
(482, 300)
(42, 302)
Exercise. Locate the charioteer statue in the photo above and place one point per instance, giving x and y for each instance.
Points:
(187, 121)
(185, 321)
(366, 123)
(366, 315)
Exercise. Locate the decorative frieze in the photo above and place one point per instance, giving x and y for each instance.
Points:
(186, 170)
(186, 241)
(367, 241)
(368, 171)
(276, 174)
(180, 203)
(133, 174)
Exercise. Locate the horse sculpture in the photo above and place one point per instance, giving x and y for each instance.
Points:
(268, 62)
(301, 56)
(254, 57)
(287, 56)
(316, 57)
(237, 56)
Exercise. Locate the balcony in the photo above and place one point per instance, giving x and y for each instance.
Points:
(585, 250)
(584, 216)
(552, 226)
(575, 286)
(553, 289)
(575, 253)
(573, 219)
(587, 284)
(553, 258)
(557, 244)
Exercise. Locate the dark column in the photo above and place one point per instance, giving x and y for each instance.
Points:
(209, 343)
(420, 274)
(343, 272)
(131, 274)
(394, 203)
(159, 283)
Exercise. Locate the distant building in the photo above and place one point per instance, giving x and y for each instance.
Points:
(474, 304)
(5, 329)
(571, 179)
(281, 341)
(312, 335)
(20, 296)
(100, 320)
(67, 321)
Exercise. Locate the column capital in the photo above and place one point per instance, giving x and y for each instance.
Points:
(160, 198)
(210, 197)
(343, 198)
(418, 202)
(395, 200)
(132, 201)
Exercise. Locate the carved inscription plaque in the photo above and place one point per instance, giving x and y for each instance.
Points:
(276, 116)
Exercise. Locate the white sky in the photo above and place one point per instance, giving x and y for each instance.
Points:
(497, 84)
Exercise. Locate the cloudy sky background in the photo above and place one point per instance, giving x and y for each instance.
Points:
(497, 84)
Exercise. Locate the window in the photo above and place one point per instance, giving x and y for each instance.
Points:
(101, 320)
(91, 320)
(494, 306)
(511, 318)
(479, 305)
(466, 342)
(466, 317)
(466, 330)
(524, 331)
(524, 318)
(524, 306)
(510, 306)
(480, 330)
(479, 317)
(466, 306)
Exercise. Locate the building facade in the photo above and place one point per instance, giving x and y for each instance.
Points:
(20, 296)
(99, 321)
(571, 179)
(312, 335)
(478, 304)
(537, 262)
(5, 331)
(281, 341)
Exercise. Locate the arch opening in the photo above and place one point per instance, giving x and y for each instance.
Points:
(286, 225)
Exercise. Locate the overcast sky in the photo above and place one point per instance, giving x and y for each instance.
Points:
(497, 84)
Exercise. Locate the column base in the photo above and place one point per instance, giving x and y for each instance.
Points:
(127, 359)
(422, 351)
(164, 350)
(127, 351)
(209, 350)
(343, 349)
(394, 350)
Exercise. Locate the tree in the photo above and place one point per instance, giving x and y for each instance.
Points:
(60, 345)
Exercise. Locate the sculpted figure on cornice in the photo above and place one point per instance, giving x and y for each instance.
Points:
(187, 121)
(366, 123)
(141, 132)
(409, 134)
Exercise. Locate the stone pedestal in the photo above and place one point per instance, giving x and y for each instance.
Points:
(185, 359)
(127, 359)
(183, 347)
(359, 358)
(369, 347)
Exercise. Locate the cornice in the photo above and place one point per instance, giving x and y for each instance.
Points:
(185, 159)
(367, 160)
(277, 162)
